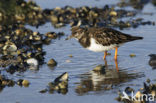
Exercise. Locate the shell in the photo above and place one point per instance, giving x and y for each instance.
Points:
(32, 61)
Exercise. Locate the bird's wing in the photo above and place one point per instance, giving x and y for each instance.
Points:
(109, 36)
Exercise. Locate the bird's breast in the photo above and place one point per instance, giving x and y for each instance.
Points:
(97, 47)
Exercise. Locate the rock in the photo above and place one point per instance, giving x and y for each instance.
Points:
(19, 52)
(61, 19)
(51, 85)
(63, 85)
(1, 45)
(54, 19)
(60, 84)
(37, 38)
(51, 35)
(19, 82)
(4, 82)
(68, 61)
(25, 83)
(58, 25)
(71, 55)
(18, 31)
(30, 37)
(10, 47)
(57, 8)
(47, 41)
(152, 61)
(113, 13)
(35, 33)
(43, 91)
(132, 55)
(52, 62)
(7, 37)
(63, 77)
(32, 62)
(19, 17)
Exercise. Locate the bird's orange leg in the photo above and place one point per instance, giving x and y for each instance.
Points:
(116, 53)
(116, 65)
(105, 54)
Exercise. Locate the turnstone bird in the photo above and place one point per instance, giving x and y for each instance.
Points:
(100, 39)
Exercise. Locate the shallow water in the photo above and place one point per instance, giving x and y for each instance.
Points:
(132, 71)
(76, 3)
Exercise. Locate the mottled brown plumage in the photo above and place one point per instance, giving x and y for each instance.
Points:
(104, 38)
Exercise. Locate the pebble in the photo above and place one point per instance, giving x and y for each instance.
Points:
(68, 61)
(32, 61)
(18, 31)
(25, 83)
(10, 47)
(113, 13)
(63, 77)
(51, 35)
(19, 82)
(71, 55)
(132, 55)
(54, 19)
(63, 85)
(43, 91)
(60, 84)
(52, 62)
(35, 33)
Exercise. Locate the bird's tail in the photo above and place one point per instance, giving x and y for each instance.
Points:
(135, 38)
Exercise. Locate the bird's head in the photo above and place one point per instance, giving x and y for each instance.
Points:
(77, 32)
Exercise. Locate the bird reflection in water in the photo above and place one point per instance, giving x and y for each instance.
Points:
(105, 79)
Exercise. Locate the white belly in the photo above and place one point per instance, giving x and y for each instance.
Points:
(98, 47)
